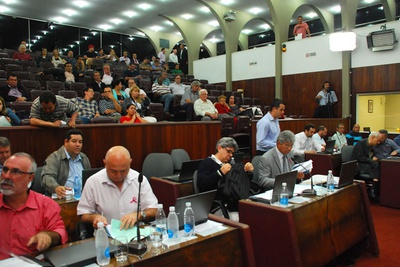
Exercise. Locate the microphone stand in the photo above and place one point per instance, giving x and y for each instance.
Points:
(137, 247)
(311, 191)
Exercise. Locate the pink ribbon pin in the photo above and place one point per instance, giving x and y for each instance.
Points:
(133, 200)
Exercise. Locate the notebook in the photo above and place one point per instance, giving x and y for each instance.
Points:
(272, 196)
(201, 205)
(77, 255)
(87, 173)
(329, 147)
(187, 170)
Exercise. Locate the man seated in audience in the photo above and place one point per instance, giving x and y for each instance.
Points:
(276, 161)
(189, 97)
(397, 140)
(68, 75)
(212, 169)
(89, 55)
(165, 80)
(204, 108)
(71, 59)
(111, 193)
(61, 166)
(49, 110)
(43, 57)
(97, 83)
(11, 92)
(366, 161)
(268, 127)
(80, 67)
(355, 134)
(304, 143)
(178, 88)
(5, 150)
(339, 137)
(163, 93)
(30, 222)
(157, 66)
(107, 76)
(125, 58)
(88, 107)
(21, 54)
(131, 73)
(146, 65)
(177, 70)
(319, 136)
(109, 106)
(386, 147)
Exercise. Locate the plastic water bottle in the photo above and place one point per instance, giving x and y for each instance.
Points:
(102, 245)
(188, 220)
(161, 221)
(284, 196)
(330, 182)
(173, 223)
(77, 188)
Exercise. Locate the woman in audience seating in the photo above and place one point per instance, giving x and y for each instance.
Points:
(7, 116)
(117, 92)
(112, 56)
(56, 59)
(234, 108)
(137, 99)
(21, 54)
(132, 116)
(222, 106)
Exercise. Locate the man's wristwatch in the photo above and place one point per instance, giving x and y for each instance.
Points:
(143, 215)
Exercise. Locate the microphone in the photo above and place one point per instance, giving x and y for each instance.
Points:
(311, 191)
(137, 247)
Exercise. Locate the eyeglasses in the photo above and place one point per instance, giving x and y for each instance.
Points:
(14, 171)
(230, 151)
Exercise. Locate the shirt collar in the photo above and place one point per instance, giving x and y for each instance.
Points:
(30, 202)
(213, 157)
(69, 157)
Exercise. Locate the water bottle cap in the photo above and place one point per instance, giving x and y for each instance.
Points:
(160, 206)
(188, 204)
(172, 208)
(330, 171)
(100, 224)
(283, 184)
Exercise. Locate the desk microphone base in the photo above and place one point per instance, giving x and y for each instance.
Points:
(137, 248)
(308, 193)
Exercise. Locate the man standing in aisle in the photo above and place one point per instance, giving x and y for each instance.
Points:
(268, 127)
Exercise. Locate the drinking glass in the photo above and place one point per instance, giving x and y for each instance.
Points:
(121, 248)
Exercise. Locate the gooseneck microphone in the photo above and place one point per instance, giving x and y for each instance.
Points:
(137, 247)
(311, 191)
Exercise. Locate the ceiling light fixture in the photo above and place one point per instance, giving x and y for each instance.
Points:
(130, 14)
(265, 26)
(116, 21)
(226, 2)
(255, 10)
(44, 32)
(246, 31)
(144, 6)
(94, 33)
(69, 12)
(7, 2)
(214, 23)
(4, 9)
(205, 9)
(59, 19)
(155, 28)
(336, 9)
(187, 16)
(85, 37)
(80, 3)
(105, 27)
(72, 46)
(311, 15)
(38, 37)
(131, 38)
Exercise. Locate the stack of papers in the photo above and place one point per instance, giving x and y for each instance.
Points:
(113, 231)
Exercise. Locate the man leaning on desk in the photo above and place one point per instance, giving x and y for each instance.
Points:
(277, 161)
(112, 193)
(30, 222)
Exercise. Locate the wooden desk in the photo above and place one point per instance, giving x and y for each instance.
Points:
(312, 234)
(324, 162)
(167, 191)
(69, 215)
(219, 249)
(390, 183)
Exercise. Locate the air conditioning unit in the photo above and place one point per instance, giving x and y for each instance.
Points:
(381, 40)
(230, 16)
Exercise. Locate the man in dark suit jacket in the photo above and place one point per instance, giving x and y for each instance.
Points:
(97, 84)
(363, 153)
(11, 92)
(183, 59)
(277, 161)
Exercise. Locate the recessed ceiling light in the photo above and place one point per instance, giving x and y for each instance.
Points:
(336, 9)
(155, 28)
(311, 15)
(265, 26)
(187, 16)
(72, 46)
(38, 37)
(169, 23)
(77, 42)
(8, 1)
(34, 41)
(116, 21)
(4, 9)
(85, 37)
(94, 33)
(205, 9)
(105, 27)
(44, 32)
(141, 34)
(178, 33)
(380, 8)
(246, 31)
(144, 6)
(213, 40)
(69, 12)
(368, 1)
(130, 14)
(60, 19)
(255, 10)
(226, 2)
(131, 38)
(213, 23)
(81, 3)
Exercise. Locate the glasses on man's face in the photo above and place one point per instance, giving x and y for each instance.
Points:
(230, 151)
(14, 171)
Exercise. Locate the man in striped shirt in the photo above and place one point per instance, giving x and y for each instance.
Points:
(88, 107)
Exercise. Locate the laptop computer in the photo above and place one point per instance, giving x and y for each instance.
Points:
(77, 255)
(272, 196)
(87, 173)
(347, 173)
(329, 147)
(187, 170)
(201, 205)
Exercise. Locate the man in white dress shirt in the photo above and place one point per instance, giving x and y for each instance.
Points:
(305, 143)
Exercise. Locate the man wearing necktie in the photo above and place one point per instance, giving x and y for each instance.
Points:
(276, 161)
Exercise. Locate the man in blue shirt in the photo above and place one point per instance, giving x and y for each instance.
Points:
(268, 127)
(386, 147)
(355, 134)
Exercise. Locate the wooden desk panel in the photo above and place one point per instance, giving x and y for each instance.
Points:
(297, 125)
(324, 162)
(390, 183)
(312, 234)
(69, 215)
(197, 138)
